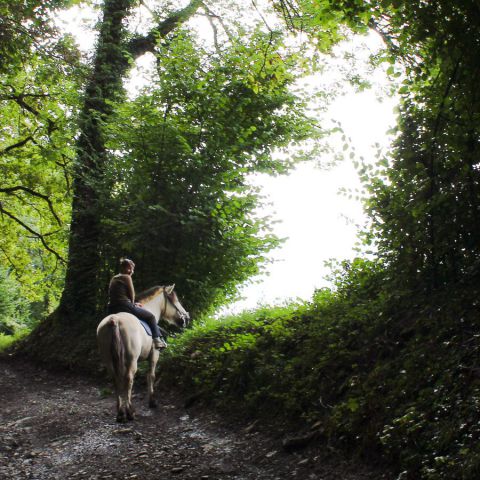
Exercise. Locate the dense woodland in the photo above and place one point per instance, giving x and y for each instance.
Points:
(385, 364)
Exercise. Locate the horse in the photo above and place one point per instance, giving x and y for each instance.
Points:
(122, 342)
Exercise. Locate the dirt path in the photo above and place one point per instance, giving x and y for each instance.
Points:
(60, 426)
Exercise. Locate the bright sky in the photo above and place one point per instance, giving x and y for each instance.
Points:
(318, 223)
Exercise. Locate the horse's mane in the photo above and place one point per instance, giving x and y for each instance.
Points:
(148, 294)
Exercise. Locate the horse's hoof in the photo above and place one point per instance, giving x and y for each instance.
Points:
(131, 413)
(152, 403)
(121, 417)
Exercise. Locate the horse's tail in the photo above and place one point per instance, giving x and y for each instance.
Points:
(117, 348)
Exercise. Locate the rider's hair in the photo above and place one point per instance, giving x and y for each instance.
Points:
(125, 263)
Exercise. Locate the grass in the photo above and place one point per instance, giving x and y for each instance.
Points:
(6, 341)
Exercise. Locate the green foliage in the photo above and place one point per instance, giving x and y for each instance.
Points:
(181, 155)
(24, 27)
(34, 158)
(425, 203)
(38, 97)
(230, 348)
(328, 22)
(376, 374)
(424, 198)
(388, 361)
(6, 341)
(14, 310)
(199, 163)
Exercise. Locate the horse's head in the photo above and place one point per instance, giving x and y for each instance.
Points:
(173, 311)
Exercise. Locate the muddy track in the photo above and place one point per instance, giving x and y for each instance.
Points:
(62, 426)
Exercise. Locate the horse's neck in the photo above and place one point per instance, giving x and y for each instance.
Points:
(155, 305)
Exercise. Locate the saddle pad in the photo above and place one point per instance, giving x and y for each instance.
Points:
(146, 326)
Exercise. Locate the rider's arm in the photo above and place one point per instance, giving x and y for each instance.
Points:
(131, 290)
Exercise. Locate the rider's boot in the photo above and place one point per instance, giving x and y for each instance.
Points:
(159, 343)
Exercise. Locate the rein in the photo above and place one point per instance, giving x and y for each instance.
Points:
(165, 303)
(165, 296)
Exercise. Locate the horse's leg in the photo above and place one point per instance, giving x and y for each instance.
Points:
(153, 359)
(132, 370)
(122, 390)
(121, 406)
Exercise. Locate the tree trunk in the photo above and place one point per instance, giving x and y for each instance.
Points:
(67, 336)
(104, 87)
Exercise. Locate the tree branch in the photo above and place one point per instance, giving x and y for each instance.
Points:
(264, 20)
(10, 190)
(214, 29)
(19, 144)
(19, 98)
(7, 256)
(141, 45)
(386, 37)
(37, 235)
(64, 166)
(290, 13)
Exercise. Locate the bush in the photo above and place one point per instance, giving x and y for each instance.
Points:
(8, 340)
(14, 310)
(385, 376)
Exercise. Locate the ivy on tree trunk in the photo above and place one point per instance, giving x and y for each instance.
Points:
(113, 58)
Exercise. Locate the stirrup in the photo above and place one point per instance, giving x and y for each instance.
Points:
(159, 343)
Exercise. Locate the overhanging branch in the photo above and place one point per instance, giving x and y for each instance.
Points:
(141, 45)
(37, 235)
(19, 99)
(20, 188)
(213, 16)
(19, 144)
(291, 14)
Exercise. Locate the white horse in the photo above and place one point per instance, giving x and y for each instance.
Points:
(122, 342)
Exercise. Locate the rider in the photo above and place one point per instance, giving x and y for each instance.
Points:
(122, 299)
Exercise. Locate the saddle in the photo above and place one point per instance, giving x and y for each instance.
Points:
(148, 330)
(146, 326)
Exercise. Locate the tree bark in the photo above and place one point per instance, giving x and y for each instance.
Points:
(69, 333)
(112, 61)
(104, 86)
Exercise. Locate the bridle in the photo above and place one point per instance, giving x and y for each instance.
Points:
(165, 304)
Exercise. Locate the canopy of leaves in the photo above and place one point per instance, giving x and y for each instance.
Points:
(195, 192)
(181, 155)
(39, 82)
(425, 204)
(386, 364)
(26, 27)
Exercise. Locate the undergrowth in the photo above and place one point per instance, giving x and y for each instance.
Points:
(7, 341)
(386, 377)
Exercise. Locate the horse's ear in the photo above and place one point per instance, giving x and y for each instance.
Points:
(169, 289)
